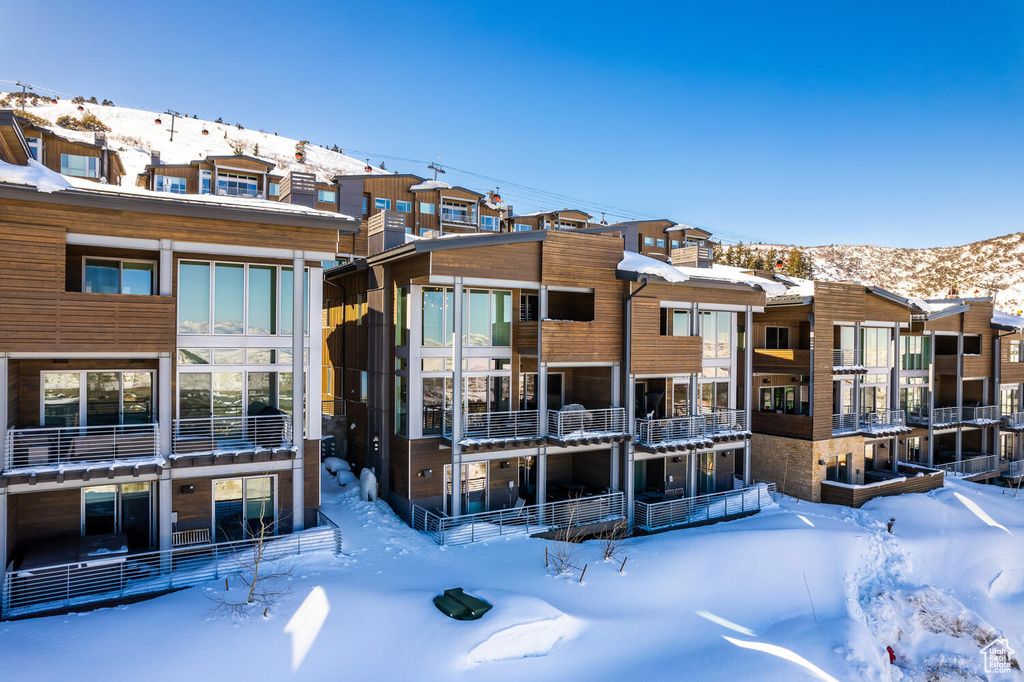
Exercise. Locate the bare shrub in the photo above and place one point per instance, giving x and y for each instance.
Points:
(611, 540)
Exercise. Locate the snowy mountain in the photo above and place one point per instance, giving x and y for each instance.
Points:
(134, 133)
(992, 267)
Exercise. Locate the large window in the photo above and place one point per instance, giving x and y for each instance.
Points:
(126, 508)
(915, 352)
(675, 322)
(838, 469)
(875, 346)
(401, 316)
(205, 181)
(427, 208)
(116, 276)
(236, 185)
(382, 204)
(244, 507)
(914, 396)
(326, 196)
(35, 146)
(403, 206)
(489, 223)
(487, 317)
(243, 299)
(779, 399)
(714, 389)
(1009, 401)
(112, 397)
(237, 393)
(716, 332)
(521, 227)
(1015, 354)
(777, 337)
(874, 393)
(168, 183)
(80, 166)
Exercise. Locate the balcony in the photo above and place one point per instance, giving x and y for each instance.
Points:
(483, 429)
(671, 434)
(1016, 469)
(456, 217)
(218, 435)
(970, 467)
(1014, 421)
(981, 414)
(939, 417)
(35, 448)
(872, 423)
(782, 360)
(724, 422)
(664, 514)
(912, 478)
(847, 361)
(582, 426)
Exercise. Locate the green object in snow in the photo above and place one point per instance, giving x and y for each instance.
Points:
(456, 604)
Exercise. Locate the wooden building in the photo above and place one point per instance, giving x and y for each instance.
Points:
(575, 377)
(864, 393)
(154, 351)
(91, 159)
(565, 219)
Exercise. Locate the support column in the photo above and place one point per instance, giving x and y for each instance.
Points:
(457, 407)
(3, 543)
(692, 483)
(298, 386)
(3, 414)
(542, 401)
(166, 274)
(316, 349)
(748, 388)
(630, 482)
(164, 510)
(931, 400)
(858, 358)
(960, 388)
(613, 475)
(165, 415)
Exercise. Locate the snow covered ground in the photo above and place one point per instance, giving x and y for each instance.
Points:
(799, 591)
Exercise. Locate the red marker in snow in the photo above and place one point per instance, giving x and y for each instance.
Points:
(892, 655)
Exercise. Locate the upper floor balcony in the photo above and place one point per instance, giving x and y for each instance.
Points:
(517, 428)
(459, 216)
(59, 447)
(677, 432)
(847, 360)
(575, 424)
(235, 434)
(875, 423)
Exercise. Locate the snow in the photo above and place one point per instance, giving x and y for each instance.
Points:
(645, 265)
(1008, 320)
(134, 133)
(430, 184)
(35, 175)
(731, 273)
(799, 591)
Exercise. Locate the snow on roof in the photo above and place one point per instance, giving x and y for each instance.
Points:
(680, 228)
(644, 265)
(729, 273)
(235, 202)
(35, 175)
(430, 184)
(1007, 320)
(796, 286)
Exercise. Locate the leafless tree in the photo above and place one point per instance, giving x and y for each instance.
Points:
(566, 550)
(263, 579)
(611, 539)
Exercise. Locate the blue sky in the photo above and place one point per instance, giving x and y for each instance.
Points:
(894, 123)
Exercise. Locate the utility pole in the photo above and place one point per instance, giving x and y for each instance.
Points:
(24, 87)
(173, 115)
(436, 168)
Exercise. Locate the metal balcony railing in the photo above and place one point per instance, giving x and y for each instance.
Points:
(675, 429)
(48, 446)
(231, 434)
(883, 420)
(1016, 469)
(844, 423)
(971, 466)
(687, 510)
(725, 420)
(574, 512)
(111, 578)
(497, 426)
(946, 415)
(1014, 420)
(460, 217)
(569, 424)
(845, 357)
(984, 413)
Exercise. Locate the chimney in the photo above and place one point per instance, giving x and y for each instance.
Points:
(385, 230)
(154, 158)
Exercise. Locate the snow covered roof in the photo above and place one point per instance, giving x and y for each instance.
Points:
(35, 175)
(43, 179)
(645, 265)
(729, 273)
(427, 185)
(687, 228)
(1007, 321)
